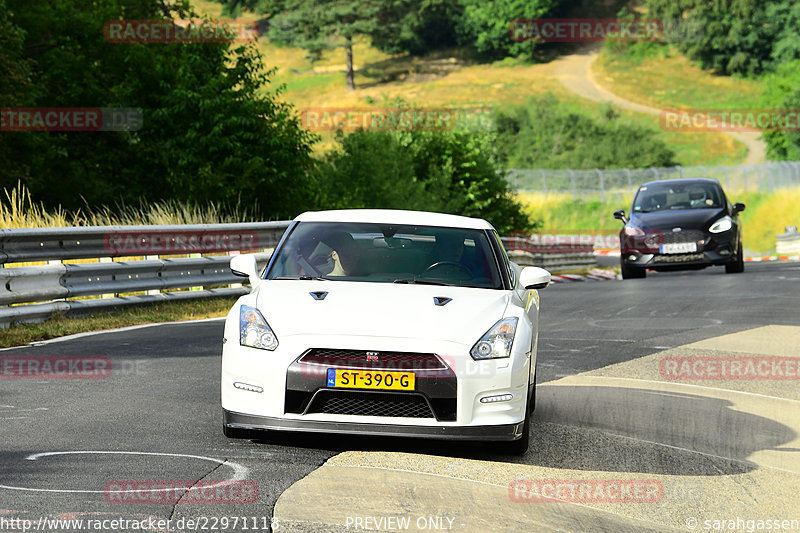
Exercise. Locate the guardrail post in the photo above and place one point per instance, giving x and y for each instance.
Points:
(147, 258)
(106, 260)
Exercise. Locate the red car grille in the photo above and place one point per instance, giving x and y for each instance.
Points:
(372, 360)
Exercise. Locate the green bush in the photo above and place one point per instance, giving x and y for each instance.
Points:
(733, 37)
(484, 26)
(213, 127)
(448, 172)
(782, 91)
(549, 134)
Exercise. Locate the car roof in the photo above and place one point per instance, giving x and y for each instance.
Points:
(394, 216)
(681, 181)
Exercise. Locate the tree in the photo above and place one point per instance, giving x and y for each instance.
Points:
(418, 26)
(213, 129)
(733, 36)
(16, 90)
(319, 25)
(783, 92)
(484, 26)
(448, 172)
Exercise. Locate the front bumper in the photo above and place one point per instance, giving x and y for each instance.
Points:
(712, 249)
(505, 432)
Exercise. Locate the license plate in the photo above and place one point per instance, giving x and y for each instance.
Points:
(678, 248)
(370, 379)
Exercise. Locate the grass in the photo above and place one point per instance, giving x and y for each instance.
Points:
(673, 81)
(59, 326)
(448, 78)
(560, 213)
(20, 211)
(766, 215)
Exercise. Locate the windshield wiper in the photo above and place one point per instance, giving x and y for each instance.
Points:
(423, 282)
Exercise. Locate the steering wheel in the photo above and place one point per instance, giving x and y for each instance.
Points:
(456, 264)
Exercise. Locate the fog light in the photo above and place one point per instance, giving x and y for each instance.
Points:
(498, 398)
(247, 387)
(724, 251)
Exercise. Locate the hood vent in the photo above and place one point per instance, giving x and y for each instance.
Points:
(318, 295)
(441, 300)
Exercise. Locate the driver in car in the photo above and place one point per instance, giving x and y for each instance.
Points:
(697, 197)
(447, 257)
(344, 254)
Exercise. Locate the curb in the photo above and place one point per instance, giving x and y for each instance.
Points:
(773, 258)
(600, 275)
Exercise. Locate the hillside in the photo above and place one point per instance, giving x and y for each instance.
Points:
(449, 79)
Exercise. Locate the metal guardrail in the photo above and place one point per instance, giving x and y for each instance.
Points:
(35, 293)
(44, 244)
(49, 289)
(788, 243)
(558, 255)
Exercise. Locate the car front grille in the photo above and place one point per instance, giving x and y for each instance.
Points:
(372, 360)
(370, 404)
(678, 258)
(674, 237)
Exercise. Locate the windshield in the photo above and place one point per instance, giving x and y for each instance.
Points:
(386, 253)
(670, 197)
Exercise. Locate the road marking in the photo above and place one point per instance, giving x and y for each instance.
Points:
(240, 472)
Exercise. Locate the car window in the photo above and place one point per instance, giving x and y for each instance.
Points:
(669, 197)
(385, 253)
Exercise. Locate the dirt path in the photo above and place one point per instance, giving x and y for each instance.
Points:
(575, 73)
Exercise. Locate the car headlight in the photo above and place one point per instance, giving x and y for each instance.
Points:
(254, 330)
(723, 224)
(633, 231)
(496, 343)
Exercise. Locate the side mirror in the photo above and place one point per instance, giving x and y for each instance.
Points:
(245, 265)
(738, 207)
(534, 278)
(620, 215)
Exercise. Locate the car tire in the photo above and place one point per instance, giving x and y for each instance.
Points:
(737, 265)
(631, 272)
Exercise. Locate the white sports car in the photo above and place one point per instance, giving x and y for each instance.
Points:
(382, 322)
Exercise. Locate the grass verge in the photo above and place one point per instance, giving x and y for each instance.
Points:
(673, 81)
(59, 326)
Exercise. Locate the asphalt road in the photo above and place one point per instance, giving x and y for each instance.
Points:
(157, 416)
